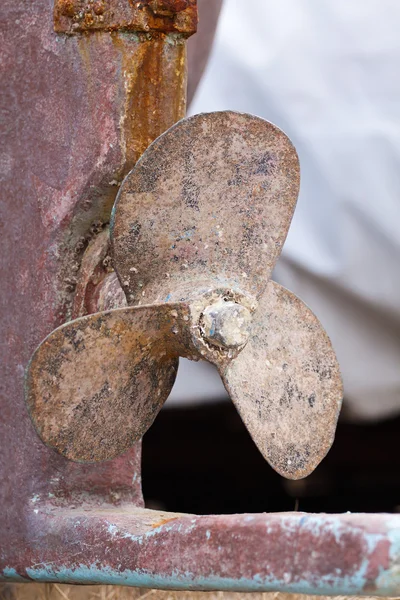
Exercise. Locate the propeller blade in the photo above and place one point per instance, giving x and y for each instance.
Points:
(95, 385)
(208, 204)
(286, 384)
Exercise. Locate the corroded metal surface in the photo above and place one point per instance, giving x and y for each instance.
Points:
(70, 136)
(96, 384)
(286, 384)
(153, 75)
(226, 324)
(77, 16)
(293, 552)
(79, 110)
(209, 203)
(196, 230)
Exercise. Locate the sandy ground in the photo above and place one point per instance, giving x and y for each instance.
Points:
(92, 592)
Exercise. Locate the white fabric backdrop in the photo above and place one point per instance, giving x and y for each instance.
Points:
(327, 73)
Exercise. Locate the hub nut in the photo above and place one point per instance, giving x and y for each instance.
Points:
(226, 324)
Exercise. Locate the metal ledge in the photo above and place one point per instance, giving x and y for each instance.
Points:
(289, 552)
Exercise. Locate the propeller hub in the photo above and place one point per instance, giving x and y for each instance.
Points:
(226, 324)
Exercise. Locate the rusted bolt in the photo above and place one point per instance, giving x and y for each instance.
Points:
(168, 8)
(67, 7)
(226, 324)
(98, 8)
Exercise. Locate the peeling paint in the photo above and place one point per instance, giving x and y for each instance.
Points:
(10, 574)
(290, 552)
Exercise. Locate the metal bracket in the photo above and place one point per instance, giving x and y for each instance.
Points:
(165, 16)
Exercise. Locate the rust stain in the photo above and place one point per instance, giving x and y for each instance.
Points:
(152, 86)
(101, 418)
(155, 76)
(168, 7)
(163, 522)
(168, 16)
